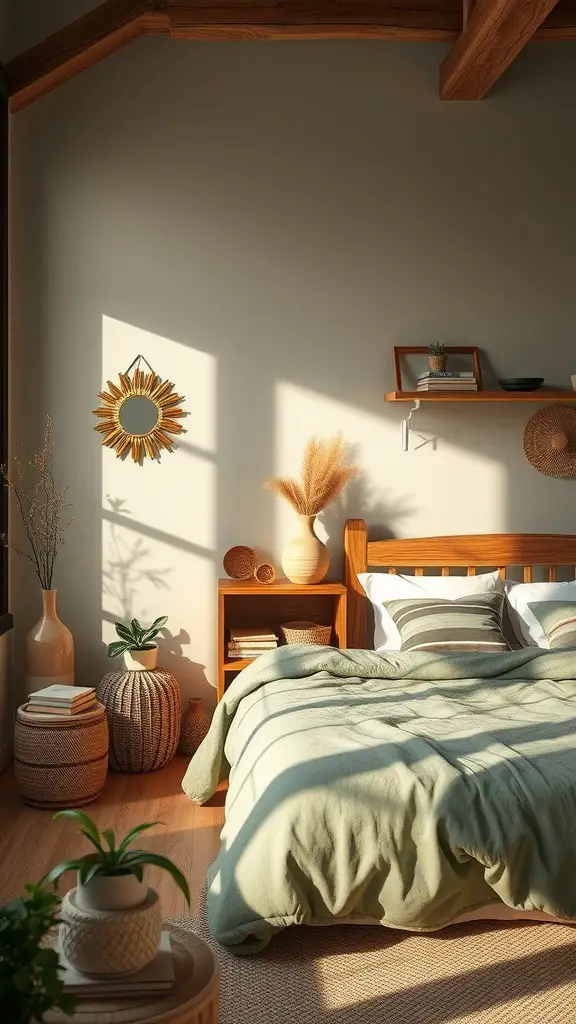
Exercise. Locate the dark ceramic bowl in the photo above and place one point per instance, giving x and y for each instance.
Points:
(521, 383)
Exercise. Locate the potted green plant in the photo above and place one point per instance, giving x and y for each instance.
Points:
(437, 357)
(136, 643)
(30, 982)
(112, 877)
(111, 922)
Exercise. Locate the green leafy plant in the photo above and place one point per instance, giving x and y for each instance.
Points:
(30, 982)
(437, 348)
(111, 858)
(134, 637)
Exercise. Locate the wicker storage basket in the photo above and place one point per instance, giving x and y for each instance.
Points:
(143, 711)
(61, 762)
(240, 562)
(306, 633)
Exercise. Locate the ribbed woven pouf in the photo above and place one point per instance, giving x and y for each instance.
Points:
(143, 710)
(60, 762)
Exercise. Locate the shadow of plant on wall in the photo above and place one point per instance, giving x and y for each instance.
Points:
(361, 500)
(190, 674)
(125, 569)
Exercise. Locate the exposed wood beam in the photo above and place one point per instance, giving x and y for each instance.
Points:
(78, 45)
(116, 22)
(438, 20)
(497, 31)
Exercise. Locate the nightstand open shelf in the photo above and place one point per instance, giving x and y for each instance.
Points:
(249, 603)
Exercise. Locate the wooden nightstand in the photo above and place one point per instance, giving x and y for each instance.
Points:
(249, 603)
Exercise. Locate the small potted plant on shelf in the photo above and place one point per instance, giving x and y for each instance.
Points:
(30, 982)
(111, 921)
(437, 357)
(136, 643)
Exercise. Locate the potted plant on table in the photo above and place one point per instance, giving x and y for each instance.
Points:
(136, 643)
(30, 982)
(437, 357)
(111, 921)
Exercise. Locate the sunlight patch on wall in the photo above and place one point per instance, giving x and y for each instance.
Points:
(422, 492)
(159, 519)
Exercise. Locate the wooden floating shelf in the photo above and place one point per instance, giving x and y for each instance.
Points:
(237, 664)
(540, 396)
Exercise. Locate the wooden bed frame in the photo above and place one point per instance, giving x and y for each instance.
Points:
(469, 551)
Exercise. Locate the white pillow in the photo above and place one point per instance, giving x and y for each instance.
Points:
(386, 586)
(521, 595)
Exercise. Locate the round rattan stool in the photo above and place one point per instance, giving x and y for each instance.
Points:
(193, 1000)
(143, 710)
(60, 762)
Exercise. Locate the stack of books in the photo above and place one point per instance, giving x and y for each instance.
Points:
(156, 978)
(447, 381)
(251, 643)
(61, 700)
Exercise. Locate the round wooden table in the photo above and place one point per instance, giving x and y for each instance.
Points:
(193, 1000)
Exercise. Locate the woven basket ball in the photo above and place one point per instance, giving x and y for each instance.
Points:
(265, 573)
(239, 562)
(550, 441)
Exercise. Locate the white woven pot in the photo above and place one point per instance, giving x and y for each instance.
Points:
(111, 892)
(135, 661)
(110, 941)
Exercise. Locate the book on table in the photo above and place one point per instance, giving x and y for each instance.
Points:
(154, 979)
(251, 641)
(61, 700)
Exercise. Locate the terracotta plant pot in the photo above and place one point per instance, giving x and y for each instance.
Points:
(111, 892)
(49, 649)
(137, 661)
(305, 558)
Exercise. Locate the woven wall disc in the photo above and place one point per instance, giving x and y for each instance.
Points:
(240, 562)
(550, 440)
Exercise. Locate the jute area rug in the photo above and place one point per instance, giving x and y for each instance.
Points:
(485, 973)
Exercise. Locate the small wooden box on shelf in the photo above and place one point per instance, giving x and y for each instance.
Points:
(249, 603)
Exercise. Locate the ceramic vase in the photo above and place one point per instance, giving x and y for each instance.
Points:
(305, 558)
(195, 725)
(49, 649)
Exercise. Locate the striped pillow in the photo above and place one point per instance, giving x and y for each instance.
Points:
(558, 620)
(466, 624)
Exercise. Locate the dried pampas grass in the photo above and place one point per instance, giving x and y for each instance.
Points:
(324, 476)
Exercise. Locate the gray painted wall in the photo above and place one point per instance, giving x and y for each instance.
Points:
(264, 223)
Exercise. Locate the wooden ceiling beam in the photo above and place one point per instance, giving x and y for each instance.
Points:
(79, 45)
(116, 22)
(496, 32)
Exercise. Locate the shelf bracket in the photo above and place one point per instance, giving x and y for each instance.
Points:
(407, 427)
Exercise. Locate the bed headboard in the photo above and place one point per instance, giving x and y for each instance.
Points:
(469, 551)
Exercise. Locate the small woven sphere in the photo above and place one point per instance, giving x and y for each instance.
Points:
(143, 710)
(239, 562)
(265, 573)
(550, 441)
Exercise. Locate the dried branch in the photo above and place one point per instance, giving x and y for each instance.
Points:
(41, 506)
(324, 476)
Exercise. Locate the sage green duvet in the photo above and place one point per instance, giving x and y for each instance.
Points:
(408, 788)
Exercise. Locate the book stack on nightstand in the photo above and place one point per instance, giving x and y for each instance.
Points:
(241, 603)
(250, 641)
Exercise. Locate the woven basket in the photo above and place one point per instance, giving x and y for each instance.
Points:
(61, 762)
(143, 711)
(306, 633)
(240, 562)
(265, 573)
(110, 942)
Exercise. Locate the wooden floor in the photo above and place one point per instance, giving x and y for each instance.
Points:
(31, 843)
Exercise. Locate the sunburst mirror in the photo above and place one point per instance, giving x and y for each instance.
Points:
(140, 414)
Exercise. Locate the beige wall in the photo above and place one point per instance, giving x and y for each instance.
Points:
(264, 223)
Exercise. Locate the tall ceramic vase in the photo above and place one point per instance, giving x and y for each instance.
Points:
(49, 649)
(305, 558)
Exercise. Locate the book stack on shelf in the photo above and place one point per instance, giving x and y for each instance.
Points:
(447, 381)
(251, 642)
(156, 978)
(61, 700)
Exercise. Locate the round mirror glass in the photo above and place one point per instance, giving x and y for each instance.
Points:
(138, 415)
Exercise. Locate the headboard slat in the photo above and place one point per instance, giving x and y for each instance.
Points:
(418, 570)
(465, 552)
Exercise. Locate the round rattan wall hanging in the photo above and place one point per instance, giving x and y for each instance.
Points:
(550, 440)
